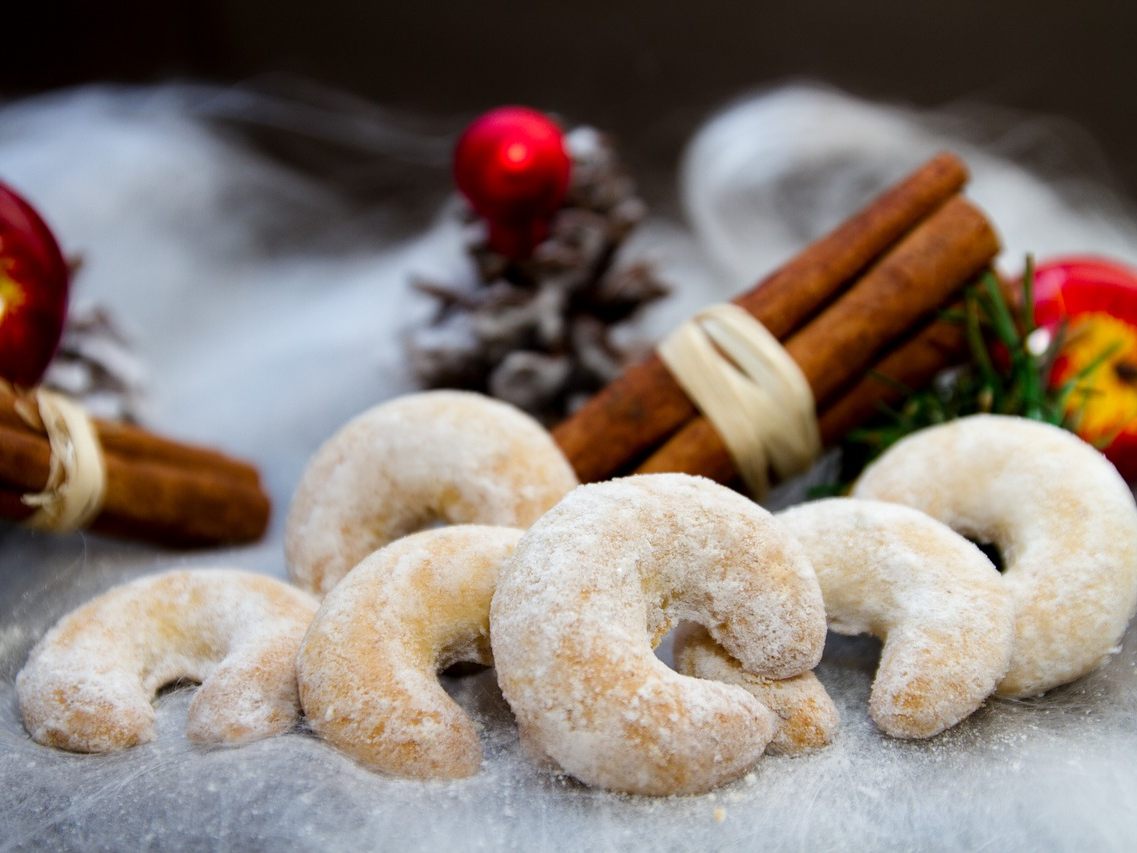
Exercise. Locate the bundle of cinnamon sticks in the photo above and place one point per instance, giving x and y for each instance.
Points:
(858, 310)
(156, 489)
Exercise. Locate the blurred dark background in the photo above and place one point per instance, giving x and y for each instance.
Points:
(648, 71)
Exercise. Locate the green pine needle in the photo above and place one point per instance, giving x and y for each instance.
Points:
(1001, 376)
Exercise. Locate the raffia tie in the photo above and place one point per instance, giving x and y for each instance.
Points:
(77, 478)
(745, 383)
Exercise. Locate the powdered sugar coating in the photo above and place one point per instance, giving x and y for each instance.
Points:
(599, 580)
(89, 683)
(807, 717)
(1062, 517)
(448, 456)
(368, 665)
(940, 607)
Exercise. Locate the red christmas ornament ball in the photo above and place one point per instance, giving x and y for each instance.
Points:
(1096, 300)
(34, 286)
(512, 166)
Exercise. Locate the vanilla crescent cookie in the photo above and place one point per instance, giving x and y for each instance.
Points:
(933, 598)
(807, 717)
(601, 578)
(89, 683)
(368, 665)
(440, 456)
(1059, 513)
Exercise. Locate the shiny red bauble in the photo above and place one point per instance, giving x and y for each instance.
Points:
(512, 166)
(34, 285)
(1069, 286)
(1096, 300)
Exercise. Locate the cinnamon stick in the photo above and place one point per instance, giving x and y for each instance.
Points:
(645, 405)
(910, 365)
(913, 364)
(144, 499)
(911, 281)
(135, 443)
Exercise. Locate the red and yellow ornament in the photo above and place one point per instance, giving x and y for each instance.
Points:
(34, 286)
(1097, 300)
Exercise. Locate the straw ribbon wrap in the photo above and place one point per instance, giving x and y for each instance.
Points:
(743, 381)
(76, 482)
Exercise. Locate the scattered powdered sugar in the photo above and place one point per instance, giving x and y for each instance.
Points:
(598, 581)
(1062, 517)
(449, 456)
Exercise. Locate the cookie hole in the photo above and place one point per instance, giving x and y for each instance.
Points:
(860, 652)
(665, 650)
(177, 685)
(462, 669)
(428, 520)
(477, 693)
(991, 552)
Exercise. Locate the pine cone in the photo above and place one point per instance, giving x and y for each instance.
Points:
(538, 333)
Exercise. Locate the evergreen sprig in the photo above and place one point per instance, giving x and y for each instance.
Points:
(1007, 372)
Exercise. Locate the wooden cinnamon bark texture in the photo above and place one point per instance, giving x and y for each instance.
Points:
(923, 272)
(645, 406)
(912, 364)
(156, 489)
